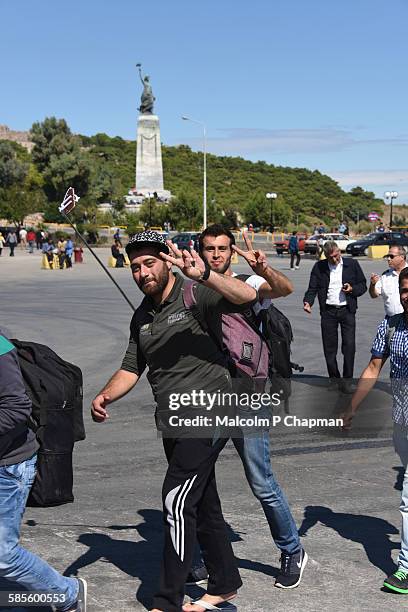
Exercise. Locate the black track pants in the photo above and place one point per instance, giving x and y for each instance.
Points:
(191, 507)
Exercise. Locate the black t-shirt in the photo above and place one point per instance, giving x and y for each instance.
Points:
(180, 355)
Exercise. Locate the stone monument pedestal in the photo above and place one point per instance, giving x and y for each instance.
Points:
(149, 167)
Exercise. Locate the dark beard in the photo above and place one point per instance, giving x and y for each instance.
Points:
(159, 284)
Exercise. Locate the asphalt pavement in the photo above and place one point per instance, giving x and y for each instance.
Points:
(343, 489)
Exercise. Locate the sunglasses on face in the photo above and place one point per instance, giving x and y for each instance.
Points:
(391, 256)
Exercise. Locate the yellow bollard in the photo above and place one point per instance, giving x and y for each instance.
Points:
(234, 258)
(377, 251)
(111, 262)
(45, 265)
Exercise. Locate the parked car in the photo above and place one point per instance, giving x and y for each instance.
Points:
(360, 247)
(342, 242)
(7, 229)
(186, 240)
(282, 246)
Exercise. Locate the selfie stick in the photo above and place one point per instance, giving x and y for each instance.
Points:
(67, 205)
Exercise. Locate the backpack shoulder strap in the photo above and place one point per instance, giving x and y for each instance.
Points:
(392, 325)
(242, 277)
(251, 318)
(190, 302)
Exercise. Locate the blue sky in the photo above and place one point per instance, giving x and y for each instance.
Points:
(316, 84)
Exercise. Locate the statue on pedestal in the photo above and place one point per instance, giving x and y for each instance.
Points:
(147, 99)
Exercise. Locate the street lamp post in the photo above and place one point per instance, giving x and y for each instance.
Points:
(204, 166)
(149, 195)
(272, 197)
(391, 195)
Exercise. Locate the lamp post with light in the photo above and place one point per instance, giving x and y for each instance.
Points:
(272, 197)
(204, 166)
(391, 195)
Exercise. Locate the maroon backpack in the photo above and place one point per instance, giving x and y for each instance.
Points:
(242, 341)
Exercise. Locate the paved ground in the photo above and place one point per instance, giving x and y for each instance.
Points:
(341, 489)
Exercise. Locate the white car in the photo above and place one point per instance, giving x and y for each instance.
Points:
(341, 241)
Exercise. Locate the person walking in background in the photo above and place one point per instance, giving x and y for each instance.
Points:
(338, 283)
(69, 249)
(12, 241)
(22, 234)
(2, 242)
(294, 250)
(39, 239)
(386, 285)
(116, 237)
(31, 238)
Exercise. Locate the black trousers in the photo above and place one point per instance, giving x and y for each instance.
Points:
(294, 254)
(331, 320)
(191, 507)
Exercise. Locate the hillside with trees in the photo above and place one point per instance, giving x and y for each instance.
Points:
(102, 169)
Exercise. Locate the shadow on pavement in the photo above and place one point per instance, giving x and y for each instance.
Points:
(141, 560)
(399, 477)
(371, 532)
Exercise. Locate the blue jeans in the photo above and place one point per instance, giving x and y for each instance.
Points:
(401, 448)
(16, 563)
(254, 452)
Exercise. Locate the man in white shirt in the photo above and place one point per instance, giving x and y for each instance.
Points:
(22, 234)
(386, 285)
(338, 283)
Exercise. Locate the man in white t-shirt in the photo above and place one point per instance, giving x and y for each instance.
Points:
(217, 245)
(386, 285)
(22, 234)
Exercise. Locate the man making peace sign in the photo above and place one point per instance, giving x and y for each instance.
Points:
(216, 248)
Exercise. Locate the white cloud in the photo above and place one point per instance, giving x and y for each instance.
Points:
(374, 180)
(252, 141)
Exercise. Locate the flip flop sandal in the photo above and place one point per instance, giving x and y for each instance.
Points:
(226, 606)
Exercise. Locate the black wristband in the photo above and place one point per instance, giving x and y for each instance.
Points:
(206, 272)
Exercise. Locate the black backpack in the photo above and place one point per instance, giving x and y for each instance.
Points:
(277, 331)
(55, 389)
(278, 334)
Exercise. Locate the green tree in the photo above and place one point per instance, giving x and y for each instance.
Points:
(12, 169)
(18, 202)
(59, 158)
(184, 212)
(153, 213)
(20, 184)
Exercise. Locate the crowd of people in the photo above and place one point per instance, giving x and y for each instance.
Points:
(183, 349)
(30, 240)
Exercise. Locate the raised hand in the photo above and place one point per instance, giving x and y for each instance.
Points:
(255, 258)
(189, 262)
